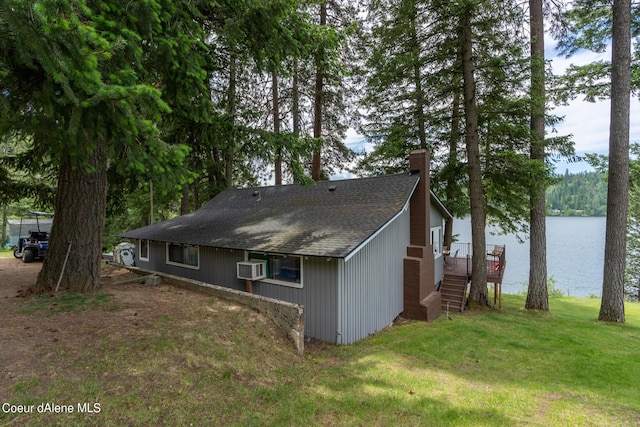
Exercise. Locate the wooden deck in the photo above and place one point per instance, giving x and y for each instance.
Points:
(462, 267)
(457, 274)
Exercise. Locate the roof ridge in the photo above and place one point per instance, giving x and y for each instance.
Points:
(323, 182)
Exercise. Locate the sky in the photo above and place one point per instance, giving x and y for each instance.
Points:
(588, 122)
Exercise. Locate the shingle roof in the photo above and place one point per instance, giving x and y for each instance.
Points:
(330, 218)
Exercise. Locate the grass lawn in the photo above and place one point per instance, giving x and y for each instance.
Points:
(491, 368)
(6, 252)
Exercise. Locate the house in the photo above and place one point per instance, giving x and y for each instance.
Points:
(355, 253)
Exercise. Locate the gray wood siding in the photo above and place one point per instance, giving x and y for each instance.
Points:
(217, 266)
(138, 261)
(436, 217)
(344, 301)
(318, 296)
(371, 283)
(437, 220)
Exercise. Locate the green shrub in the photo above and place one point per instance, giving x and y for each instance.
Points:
(552, 289)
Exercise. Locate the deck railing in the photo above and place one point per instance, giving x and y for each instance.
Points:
(496, 260)
(461, 253)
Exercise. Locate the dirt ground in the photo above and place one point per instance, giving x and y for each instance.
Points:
(26, 340)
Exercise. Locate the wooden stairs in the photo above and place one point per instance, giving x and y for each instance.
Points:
(453, 291)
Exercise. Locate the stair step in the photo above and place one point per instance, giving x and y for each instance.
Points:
(452, 306)
(452, 292)
(454, 288)
(456, 285)
(455, 279)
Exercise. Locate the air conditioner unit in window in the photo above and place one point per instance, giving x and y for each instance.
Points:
(251, 270)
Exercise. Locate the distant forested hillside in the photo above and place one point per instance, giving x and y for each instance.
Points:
(582, 194)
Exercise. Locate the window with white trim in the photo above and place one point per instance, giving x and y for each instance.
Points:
(436, 241)
(280, 269)
(144, 250)
(182, 255)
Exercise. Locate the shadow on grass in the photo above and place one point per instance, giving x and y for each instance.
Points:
(364, 401)
(498, 368)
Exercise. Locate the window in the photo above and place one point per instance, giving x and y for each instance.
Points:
(436, 241)
(144, 250)
(281, 269)
(183, 255)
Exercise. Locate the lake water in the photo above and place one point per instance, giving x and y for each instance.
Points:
(575, 254)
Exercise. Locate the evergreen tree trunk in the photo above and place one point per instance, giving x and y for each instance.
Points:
(295, 100)
(196, 194)
(5, 209)
(316, 163)
(478, 293)
(295, 113)
(612, 306)
(452, 159)
(5, 213)
(417, 79)
(184, 203)
(79, 224)
(276, 128)
(537, 294)
(231, 113)
(216, 173)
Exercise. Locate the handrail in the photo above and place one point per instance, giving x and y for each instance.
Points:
(460, 251)
(497, 252)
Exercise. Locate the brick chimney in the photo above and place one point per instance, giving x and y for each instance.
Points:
(421, 300)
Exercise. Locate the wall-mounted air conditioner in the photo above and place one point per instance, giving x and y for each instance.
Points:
(251, 270)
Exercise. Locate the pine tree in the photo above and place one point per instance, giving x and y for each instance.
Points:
(88, 81)
(537, 293)
(612, 305)
(411, 88)
(478, 292)
(333, 90)
(591, 24)
(85, 101)
(413, 95)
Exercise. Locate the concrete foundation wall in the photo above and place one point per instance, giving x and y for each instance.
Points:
(288, 317)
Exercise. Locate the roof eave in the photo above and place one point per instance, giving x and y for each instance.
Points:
(385, 225)
(440, 205)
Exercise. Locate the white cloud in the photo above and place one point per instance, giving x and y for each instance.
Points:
(589, 122)
(559, 63)
(357, 142)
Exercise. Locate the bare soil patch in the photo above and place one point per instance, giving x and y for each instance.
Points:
(33, 339)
